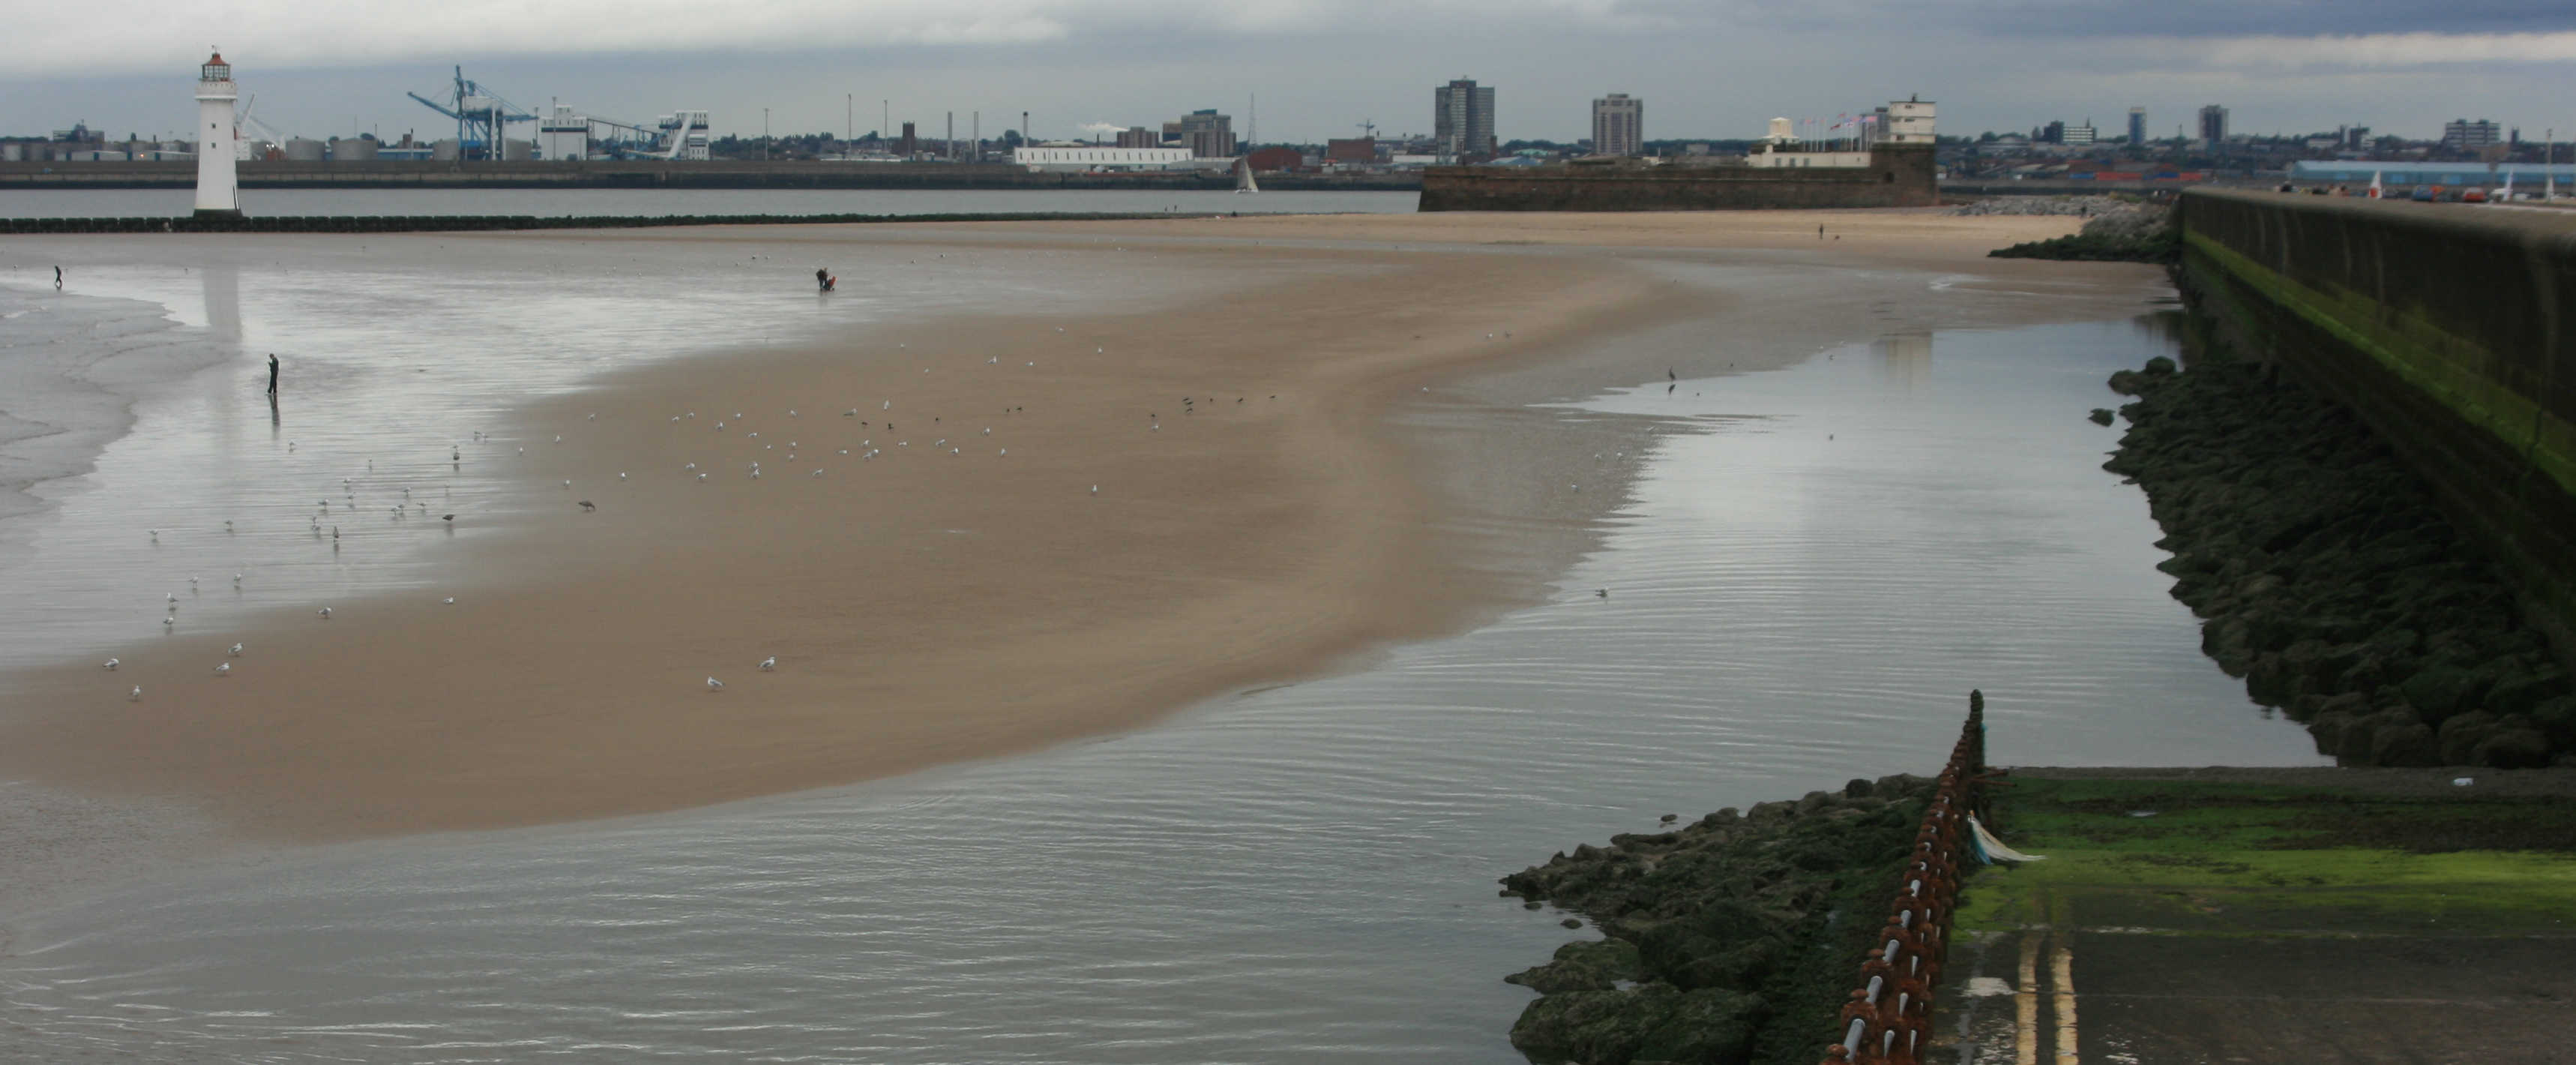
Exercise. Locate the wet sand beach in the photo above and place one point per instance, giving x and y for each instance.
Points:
(961, 595)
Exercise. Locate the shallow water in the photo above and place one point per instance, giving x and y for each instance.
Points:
(279, 203)
(1802, 587)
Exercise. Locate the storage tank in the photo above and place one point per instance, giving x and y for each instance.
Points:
(514, 150)
(304, 150)
(353, 150)
(444, 151)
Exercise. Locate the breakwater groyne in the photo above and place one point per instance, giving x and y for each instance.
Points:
(2449, 330)
(457, 223)
(1753, 936)
(661, 174)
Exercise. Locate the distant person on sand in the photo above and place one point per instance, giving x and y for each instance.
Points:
(58, 277)
(272, 373)
(824, 280)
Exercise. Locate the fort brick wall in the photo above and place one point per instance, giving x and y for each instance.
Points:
(1897, 176)
(2445, 327)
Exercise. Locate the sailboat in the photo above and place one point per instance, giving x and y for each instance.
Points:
(1243, 182)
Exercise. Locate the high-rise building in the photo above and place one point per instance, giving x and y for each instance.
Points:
(2052, 133)
(1462, 118)
(1139, 137)
(217, 193)
(2462, 135)
(2213, 124)
(2356, 137)
(2137, 126)
(1207, 134)
(1618, 125)
(2082, 133)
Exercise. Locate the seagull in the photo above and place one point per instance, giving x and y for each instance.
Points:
(136, 695)
(621, 475)
(236, 580)
(558, 438)
(167, 622)
(236, 651)
(1601, 592)
(447, 517)
(156, 535)
(450, 601)
(192, 582)
(769, 663)
(714, 685)
(818, 473)
(791, 414)
(326, 613)
(594, 417)
(702, 476)
(1095, 489)
(109, 665)
(173, 597)
(567, 484)
(228, 525)
(223, 669)
(587, 506)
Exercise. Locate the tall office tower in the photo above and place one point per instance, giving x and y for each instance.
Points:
(2213, 123)
(1618, 125)
(1462, 118)
(2137, 126)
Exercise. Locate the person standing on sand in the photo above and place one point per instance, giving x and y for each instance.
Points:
(272, 374)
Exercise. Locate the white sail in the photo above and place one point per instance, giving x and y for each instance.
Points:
(1243, 176)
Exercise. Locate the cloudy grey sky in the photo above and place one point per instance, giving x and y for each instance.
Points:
(1706, 68)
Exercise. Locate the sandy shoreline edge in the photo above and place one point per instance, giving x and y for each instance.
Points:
(921, 612)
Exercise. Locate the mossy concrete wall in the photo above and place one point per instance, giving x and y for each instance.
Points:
(2445, 327)
(1898, 175)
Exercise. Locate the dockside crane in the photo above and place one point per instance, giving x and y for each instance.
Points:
(482, 117)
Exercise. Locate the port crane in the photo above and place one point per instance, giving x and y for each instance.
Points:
(482, 117)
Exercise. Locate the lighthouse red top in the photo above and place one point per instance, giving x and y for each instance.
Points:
(215, 69)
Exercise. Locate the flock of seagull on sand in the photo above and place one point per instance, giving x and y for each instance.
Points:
(736, 422)
(408, 508)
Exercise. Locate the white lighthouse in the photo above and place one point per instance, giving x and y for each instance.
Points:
(217, 193)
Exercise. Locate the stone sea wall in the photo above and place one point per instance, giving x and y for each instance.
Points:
(2448, 329)
(1897, 176)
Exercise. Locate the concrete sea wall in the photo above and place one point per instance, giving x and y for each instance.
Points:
(2445, 327)
(1897, 176)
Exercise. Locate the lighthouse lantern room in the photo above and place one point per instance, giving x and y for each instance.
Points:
(217, 192)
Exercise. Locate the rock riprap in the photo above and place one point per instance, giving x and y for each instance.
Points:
(2325, 577)
(1729, 940)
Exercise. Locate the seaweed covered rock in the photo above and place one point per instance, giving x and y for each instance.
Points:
(1731, 939)
(2327, 580)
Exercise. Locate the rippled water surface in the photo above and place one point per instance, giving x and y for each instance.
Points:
(1814, 567)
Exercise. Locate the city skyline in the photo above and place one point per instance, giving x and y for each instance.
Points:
(1077, 64)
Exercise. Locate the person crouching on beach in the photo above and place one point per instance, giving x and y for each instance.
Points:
(824, 280)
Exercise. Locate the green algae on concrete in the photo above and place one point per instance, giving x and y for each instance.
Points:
(2344, 915)
(2186, 858)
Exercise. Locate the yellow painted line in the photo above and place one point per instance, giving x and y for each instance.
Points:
(2026, 1003)
(2062, 973)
